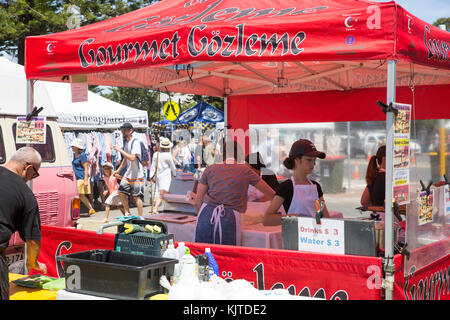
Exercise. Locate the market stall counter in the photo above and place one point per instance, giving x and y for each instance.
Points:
(319, 275)
(254, 233)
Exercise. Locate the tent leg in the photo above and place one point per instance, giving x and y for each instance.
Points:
(389, 266)
(30, 104)
(225, 116)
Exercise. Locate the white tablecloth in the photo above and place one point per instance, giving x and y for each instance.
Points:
(254, 234)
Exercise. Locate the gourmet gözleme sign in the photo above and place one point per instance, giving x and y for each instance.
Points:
(198, 40)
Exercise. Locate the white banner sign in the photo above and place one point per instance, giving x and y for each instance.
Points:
(327, 237)
(402, 153)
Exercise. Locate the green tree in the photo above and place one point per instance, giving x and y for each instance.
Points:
(445, 21)
(216, 102)
(22, 18)
(138, 98)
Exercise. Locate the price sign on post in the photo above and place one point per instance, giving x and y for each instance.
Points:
(30, 132)
(327, 237)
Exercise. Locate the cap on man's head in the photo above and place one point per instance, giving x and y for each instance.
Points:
(305, 147)
(126, 125)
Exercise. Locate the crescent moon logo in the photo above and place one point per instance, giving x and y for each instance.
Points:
(409, 25)
(50, 47)
(348, 22)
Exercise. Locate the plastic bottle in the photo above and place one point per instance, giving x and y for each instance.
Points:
(203, 267)
(213, 266)
(181, 249)
(189, 268)
(172, 253)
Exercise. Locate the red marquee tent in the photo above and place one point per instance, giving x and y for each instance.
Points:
(239, 48)
(315, 60)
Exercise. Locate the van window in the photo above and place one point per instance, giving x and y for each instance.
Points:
(2, 148)
(47, 150)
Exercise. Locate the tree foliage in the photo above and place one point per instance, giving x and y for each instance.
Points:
(22, 18)
(137, 98)
(445, 21)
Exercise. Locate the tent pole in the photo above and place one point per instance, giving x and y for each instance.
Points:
(389, 266)
(225, 116)
(29, 109)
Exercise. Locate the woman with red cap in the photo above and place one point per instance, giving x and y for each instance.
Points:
(298, 194)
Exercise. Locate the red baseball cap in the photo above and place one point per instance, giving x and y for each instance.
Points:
(305, 147)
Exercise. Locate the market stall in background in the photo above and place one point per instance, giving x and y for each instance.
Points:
(373, 56)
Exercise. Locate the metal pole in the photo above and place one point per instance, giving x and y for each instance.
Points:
(225, 117)
(30, 103)
(389, 266)
(442, 152)
(349, 164)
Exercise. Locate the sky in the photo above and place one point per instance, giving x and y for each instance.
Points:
(426, 10)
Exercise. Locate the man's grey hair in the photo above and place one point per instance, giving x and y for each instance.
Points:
(27, 154)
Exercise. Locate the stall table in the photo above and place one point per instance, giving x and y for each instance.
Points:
(22, 293)
(254, 233)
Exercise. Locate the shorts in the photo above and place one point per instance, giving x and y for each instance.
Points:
(135, 190)
(82, 189)
(113, 200)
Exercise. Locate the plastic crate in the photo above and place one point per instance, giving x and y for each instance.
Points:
(142, 243)
(153, 244)
(116, 275)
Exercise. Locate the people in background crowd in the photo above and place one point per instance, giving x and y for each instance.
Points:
(132, 182)
(112, 192)
(80, 168)
(162, 170)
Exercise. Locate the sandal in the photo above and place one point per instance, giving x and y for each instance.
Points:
(91, 212)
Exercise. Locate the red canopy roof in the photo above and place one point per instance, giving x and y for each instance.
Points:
(247, 46)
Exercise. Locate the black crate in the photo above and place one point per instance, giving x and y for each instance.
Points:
(146, 243)
(152, 244)
(115, 274)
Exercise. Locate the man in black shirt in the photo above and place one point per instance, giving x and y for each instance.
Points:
(19, 211)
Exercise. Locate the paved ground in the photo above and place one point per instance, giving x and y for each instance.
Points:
(94, 222)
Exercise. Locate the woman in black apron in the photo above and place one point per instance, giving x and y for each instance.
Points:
(222, 197)
(298, 194)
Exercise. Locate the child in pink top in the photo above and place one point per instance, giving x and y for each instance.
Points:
(112, 188)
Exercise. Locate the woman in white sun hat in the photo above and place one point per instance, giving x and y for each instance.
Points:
(163, 168)
(80, 168)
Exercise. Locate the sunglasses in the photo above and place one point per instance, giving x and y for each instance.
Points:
(36, 173)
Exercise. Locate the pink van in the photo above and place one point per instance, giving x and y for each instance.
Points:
(55, 188)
